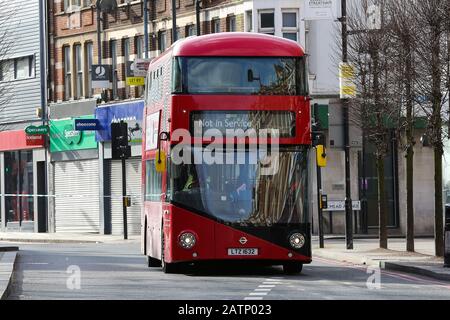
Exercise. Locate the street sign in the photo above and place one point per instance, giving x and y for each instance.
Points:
(101, 77)
(135, 81)
(134, 76)
(339, 205)
(141, 67)
(347, 81)
(87, 125)
(320, 9)
(37, 130)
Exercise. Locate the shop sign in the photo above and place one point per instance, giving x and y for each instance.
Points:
(64, 136)
(37, 130)
(101, 77)
(321, 9)
(131, 113)
(35, 140)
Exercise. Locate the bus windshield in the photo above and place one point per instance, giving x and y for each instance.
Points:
(245, 194)
(240, 75)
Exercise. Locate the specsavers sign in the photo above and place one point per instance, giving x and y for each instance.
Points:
(64, 137)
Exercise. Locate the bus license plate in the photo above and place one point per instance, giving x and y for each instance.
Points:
(242, 252)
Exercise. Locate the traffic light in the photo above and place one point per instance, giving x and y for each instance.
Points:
(119, 140)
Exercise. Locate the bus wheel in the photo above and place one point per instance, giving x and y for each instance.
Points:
(166, 267)
(292, 268)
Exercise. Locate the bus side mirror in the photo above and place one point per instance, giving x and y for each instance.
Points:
(160, 161)
(321, 156)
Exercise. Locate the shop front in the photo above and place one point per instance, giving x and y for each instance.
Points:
(22, 183)
(76, 183)
(132, 113)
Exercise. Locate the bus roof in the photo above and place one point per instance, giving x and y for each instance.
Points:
(243, 44)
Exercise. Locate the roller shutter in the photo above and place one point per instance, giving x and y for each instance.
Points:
(77, 202)
(133, 171)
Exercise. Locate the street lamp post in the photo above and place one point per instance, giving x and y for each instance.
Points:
(146, 28)
(198, 6)
(174, 20)
(345, 106)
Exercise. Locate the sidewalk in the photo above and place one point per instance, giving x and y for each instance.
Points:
(63, 237)
(7, 260)
(367, 252)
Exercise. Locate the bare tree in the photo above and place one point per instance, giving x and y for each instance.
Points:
(432, 57)
(404, 31)
(370, 49)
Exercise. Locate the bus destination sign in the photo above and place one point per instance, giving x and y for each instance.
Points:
(283, 121)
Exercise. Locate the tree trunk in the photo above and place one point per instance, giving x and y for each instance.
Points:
(409, 155)
(382, 203)
(438, 206)
(436, 122)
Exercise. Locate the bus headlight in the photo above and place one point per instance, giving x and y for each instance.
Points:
(187, 240)
(297, 240)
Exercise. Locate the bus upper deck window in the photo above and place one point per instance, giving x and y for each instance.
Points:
(177, 86)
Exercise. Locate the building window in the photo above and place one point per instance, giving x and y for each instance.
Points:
(267, 22)
(162, 41)
(113, 48)
(17, 69)
(79, 71)
(89, 62)
(179, 34)
(67, 74)
(76, 3)
(289, 25)
(23, 68)
(249, 18)
(215, 25)
(231, 24)
(191, 30)
(140, 47)
(126, 57)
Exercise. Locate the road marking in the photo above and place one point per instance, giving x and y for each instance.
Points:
(258, 293)
(266, 286)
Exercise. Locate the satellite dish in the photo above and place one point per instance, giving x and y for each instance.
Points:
(107, 6)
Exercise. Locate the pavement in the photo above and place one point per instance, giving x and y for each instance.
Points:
(7, 260)
(367, 252)
(8, 252)
(61, 237)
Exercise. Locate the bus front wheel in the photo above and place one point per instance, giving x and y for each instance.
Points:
(292, 268)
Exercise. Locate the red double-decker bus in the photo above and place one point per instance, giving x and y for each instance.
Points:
(225, 153)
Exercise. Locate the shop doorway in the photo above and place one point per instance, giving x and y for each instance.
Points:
(19, 203)
(42, 200)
